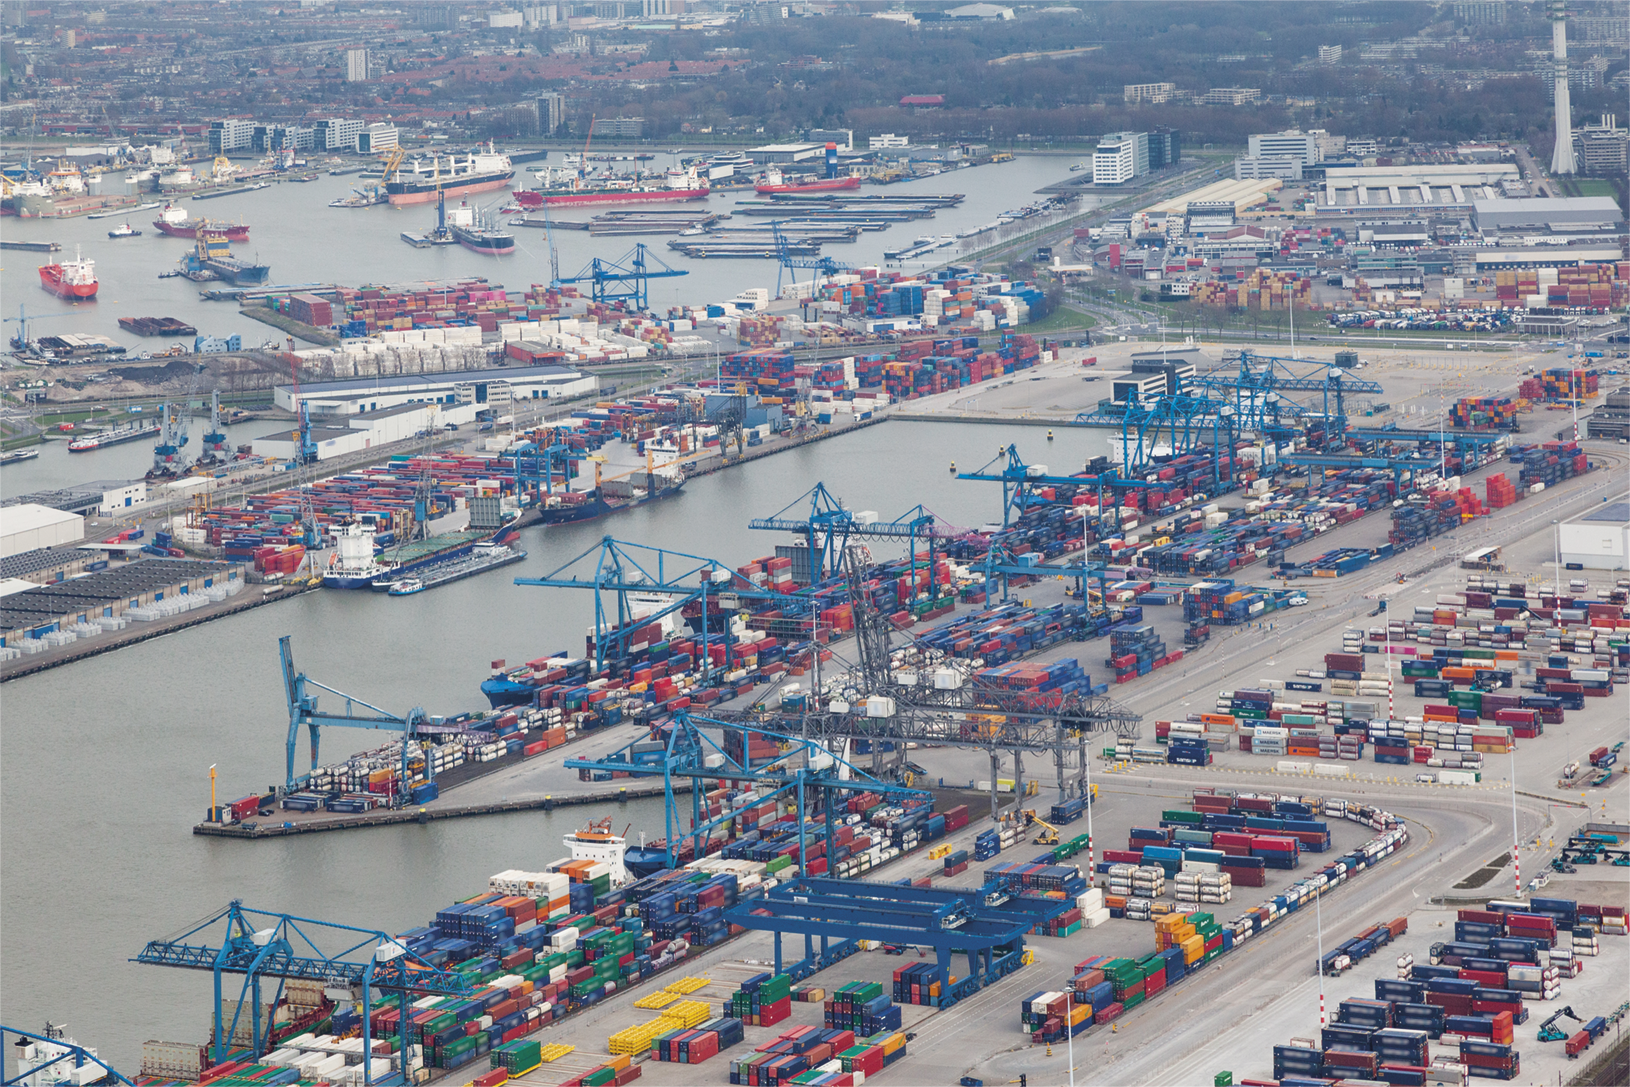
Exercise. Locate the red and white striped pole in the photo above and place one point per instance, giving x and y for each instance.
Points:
(1516, 834)
(1516, 866)
(1389, 672)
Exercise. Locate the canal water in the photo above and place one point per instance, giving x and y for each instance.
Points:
(104, 764)
(305, 241)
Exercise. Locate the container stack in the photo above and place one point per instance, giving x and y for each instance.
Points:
(762, 1001)
(863, 1007)
(1486, 413)
(1499, 491)
(694, 1045)
(917, 983)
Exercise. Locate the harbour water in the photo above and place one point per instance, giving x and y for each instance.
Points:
(104, 764)
(305, 241)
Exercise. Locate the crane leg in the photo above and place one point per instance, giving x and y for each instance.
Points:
(995, 772)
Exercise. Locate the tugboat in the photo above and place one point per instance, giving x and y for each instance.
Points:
(125, 231)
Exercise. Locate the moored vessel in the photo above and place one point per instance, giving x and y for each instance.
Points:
(482, 171)
(174, 220)
(74, 279)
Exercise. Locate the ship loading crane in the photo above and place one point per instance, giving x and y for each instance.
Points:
(174, 433)
(1255, 392)
(1021, 481)
(303, 712)
(790, 262)
(20, 341)
(940, 705)
(626, 279)
(827, 527)
(265, 945)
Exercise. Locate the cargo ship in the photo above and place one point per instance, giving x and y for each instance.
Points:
(116, 436)
(483, 557)
(482, 171)
(571, 507)
(212, 258)
(481, 236)
(356, 565)
(176, 222)
(74, 279)
(774, 183)
(48, 1060)
(676, 185)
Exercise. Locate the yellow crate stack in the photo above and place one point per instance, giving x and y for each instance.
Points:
(554, 1051)
(653, 1001)
(687, 985)
(637, 1038)
(688, 1013)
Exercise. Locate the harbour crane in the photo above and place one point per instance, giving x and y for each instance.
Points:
(626, 279)
(20, 341)
(827, 527)
(303, 712)
(174, 431)
(269, 945)
(305, 455)
(1255, 391)
(790, 262)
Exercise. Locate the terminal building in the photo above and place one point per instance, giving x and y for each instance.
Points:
(355, 396)
(337, 435)
(1600, 540)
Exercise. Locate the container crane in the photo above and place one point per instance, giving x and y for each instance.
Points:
(303, 712)
(174, 426)
(626, 279)
(790, 262)
(265, 945)
(305, 455)
(827, 527)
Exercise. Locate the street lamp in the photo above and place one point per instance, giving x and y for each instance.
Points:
(1556, 558)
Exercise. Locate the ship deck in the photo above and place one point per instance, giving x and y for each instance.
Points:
(415, 550)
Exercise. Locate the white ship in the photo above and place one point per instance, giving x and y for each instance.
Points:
(53, 1062)
(353, 565)
(595, 842)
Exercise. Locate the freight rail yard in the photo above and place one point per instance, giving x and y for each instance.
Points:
(1028, 795)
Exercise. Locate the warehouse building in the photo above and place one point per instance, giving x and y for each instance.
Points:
(1294, 144)
(368, 430)
(1599, 540)
(36, 612)
(28, 526)
(1558, 215)
(364, 394)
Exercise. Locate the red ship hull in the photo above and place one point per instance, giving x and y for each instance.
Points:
(632, 196)
(233, 233)
(51, 280)
(831, 184)
(429, 196)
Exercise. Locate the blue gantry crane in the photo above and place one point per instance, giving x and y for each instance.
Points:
(302, 704)
(950, 922)
(51, 1055)
(827, 527)
(692, 750)
(791, 262)
(1183, 422)
(1021, 482)
(263, 944)
(1001, 563)
(626, 279)
(1256, 389)
(635, 584)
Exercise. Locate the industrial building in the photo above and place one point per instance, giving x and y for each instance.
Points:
(1359, 187)
(781, 154)
(1559, 215)
(1600, 540)
(36, 612)
(28, 525)
(102, 497)
(376, 138)
(1612, 419)
(354, 433)
(1236, 194)
(369, 394)
(1285, 167)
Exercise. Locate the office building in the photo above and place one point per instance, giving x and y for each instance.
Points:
(376, 138)
(1284, 167)
(1120, 157)
(1165, 148)
(1292, 144)
(228, 136)
(269, 138)
(619, 128)
(888, 141)
(843, 137)
(336, 134)
(356, 65)
(1154, 93)
(504, 20)
(1329, 54)
(1601, 149)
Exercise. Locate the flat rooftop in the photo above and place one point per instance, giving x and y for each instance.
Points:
(540, 372)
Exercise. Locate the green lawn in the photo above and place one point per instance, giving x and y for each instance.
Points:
(1060, 320)
(1593, 186)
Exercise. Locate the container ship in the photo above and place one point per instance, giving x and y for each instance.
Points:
(356, 563)
(176, 222)
(482, 171)
(117, 436)
(74, 279)
(677, 185)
